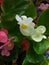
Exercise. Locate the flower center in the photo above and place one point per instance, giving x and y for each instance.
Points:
(24, 26)
(9, 45)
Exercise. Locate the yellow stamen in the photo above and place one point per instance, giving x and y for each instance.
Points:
(24, 26)
(9, 45)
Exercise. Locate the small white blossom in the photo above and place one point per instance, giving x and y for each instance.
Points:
(38, 34)
(26, 25)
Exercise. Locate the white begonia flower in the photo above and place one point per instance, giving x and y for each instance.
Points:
(38, 34)
(26, 25)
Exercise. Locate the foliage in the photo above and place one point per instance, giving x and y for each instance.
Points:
(35, 53)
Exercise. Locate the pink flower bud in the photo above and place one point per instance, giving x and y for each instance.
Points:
(43, 6)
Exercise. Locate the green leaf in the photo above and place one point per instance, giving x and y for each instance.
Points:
(41, 47)
(12, 8)
(25, 62)
(12, 4)
(46, 62)
(44, 20)
(9, 11)
(31, 10)
(32, 56)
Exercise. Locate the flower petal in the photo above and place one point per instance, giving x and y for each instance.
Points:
(3, 37)
(4, 30)
(41, 29)
(44, 37)
(8, 41)
(30, 19)
(24, 32)
(32, 24)
(37, 37)
(24, 17)
(28, 31)
(9, 46)
(5, 53)
(18, 18)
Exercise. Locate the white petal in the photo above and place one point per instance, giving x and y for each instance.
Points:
(26, 20)
(44, 37)
(24, 17)
(37, 37)
(41, 29)
(27, 32)
(18, 18)
(30, 19)
(32, 24)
